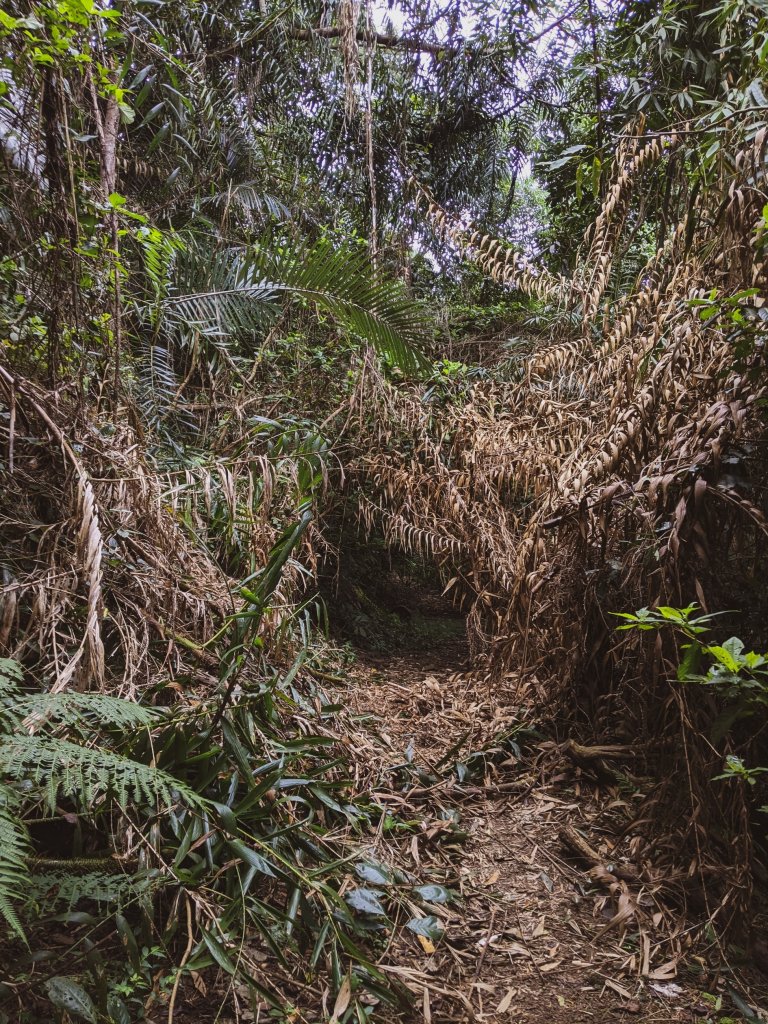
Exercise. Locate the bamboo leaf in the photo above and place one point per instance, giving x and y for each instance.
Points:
(366, 901)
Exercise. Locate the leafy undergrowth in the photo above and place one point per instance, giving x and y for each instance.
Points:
(350, 842)
(206, 844)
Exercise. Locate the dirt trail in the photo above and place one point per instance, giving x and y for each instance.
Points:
(532, 936)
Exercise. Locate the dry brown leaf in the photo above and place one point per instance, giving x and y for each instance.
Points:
(515, 949)
(551, 966)
(646, 949)
(623, 992)
(665, 972)
(342, 1000)
(506, 1000)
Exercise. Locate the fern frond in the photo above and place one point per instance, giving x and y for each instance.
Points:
(14, 855)
(85, 774)
(49, 889)
(92, 709)
(11, 677)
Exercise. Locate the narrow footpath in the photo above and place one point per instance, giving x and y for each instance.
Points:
(533, 931)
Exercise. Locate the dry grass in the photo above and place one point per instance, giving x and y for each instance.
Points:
(116, 571)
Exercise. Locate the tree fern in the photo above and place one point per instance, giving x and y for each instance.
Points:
(69, 708)
(51, 889)
(93, 710)
(11, 677)
(43, 763)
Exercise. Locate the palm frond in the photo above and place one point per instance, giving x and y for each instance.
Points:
(341, 280)
(243, 290)
(157, 387)
(159, 251)
(215, 298)
(250, 200)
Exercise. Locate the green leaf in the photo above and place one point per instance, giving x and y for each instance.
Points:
(151, 114)
(139, 79)
(40, 57)
(218, 953)
(160, 137)
(86, 773)
(11, 676)
(244, 284)
(125, 932)
(250, 857)
(68, 995)
(430, 927)
(117, 1010)
(735, 647)
(707, 312)
(690, 661)
(366, 901)
(434, 893)
(724, 656)
(376, 874)
(744, 1008)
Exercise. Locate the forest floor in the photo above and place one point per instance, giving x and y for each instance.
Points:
(532, 935)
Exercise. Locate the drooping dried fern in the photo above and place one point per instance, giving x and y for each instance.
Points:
(595, 483)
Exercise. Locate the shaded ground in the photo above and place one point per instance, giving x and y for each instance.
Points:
(382, 602)
(534, 935)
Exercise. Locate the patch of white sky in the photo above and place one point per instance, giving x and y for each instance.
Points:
(389, 18)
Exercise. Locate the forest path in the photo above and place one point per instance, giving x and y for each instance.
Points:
(527, 938)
